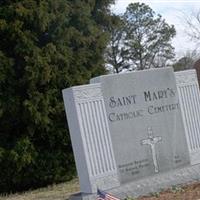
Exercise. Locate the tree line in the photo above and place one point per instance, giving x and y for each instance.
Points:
(140, 39)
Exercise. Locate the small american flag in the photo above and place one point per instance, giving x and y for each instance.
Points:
(105, 196)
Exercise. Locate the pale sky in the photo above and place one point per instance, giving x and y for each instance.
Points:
(173, 12)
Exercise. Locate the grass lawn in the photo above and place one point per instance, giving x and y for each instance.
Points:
(64, 190)
(56, 192)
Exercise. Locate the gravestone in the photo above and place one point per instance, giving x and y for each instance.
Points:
(146, 126)
(125, 127)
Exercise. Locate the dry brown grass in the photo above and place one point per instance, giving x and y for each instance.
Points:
(55, 192)
(187, 192)
(64, 190)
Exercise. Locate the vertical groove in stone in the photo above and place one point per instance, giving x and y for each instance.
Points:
(94, 138)
(92, 152)
(190, 98)
(108, 136)
(189, 117)
(98, 139)
(96, 135)
(194, 115)
(103, 151)
(185, 114)
(197, 111)
(191, 109)
(86, 138)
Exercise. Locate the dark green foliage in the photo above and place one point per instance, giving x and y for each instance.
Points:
(45, 46)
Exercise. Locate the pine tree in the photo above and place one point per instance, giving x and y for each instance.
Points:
(45, 46)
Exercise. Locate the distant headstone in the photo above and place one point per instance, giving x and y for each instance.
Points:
(197, 67)
(146, 126)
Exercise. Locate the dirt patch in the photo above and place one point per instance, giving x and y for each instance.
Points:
(187, 192)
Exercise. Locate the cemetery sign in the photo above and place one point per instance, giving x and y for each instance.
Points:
(125, 127)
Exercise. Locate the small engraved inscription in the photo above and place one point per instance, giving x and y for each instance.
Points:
(134, 168)
(177, 159)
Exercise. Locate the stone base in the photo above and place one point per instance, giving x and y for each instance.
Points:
(151, 184)
(82, 196)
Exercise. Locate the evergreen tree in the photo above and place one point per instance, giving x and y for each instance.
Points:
(46, 46)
